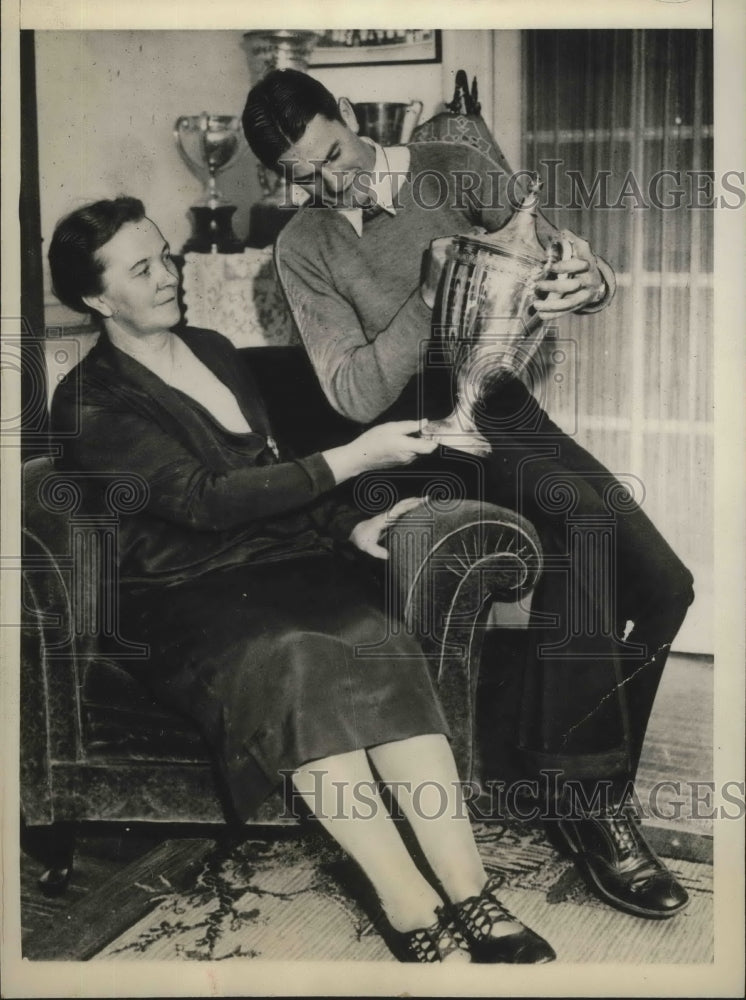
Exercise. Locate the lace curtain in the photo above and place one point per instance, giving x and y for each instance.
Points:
(631, 112)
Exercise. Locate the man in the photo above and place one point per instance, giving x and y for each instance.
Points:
(360, 266)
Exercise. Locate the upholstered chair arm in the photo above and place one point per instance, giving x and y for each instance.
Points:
(69, 615)
(448, 567)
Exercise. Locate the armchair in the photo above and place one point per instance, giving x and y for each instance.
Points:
(95, 746)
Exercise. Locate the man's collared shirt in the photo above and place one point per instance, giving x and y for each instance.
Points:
(388, 171)
(383, 181)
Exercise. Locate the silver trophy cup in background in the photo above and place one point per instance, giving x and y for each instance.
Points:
(210, 144)
(386, 122)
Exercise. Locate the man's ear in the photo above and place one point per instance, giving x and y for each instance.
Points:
(99, 303)
(348, 114)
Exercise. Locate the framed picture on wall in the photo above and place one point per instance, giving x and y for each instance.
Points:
(377, 47)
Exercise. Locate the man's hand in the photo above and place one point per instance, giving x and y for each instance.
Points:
(365, 535)
(571, 284)
(578, 282)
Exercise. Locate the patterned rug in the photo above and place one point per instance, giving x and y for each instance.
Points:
(293, 895)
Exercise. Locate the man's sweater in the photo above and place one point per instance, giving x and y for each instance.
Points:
(356, 300)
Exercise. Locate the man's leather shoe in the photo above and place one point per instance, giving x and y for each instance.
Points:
(621, 867)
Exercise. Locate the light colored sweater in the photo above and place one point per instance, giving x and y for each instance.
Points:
(356, 300)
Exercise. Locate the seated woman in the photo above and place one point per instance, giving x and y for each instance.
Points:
(230, 575)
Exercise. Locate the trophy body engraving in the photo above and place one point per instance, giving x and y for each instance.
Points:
(484, 316)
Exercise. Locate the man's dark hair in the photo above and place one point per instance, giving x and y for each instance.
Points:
(278, 110)
(72, 252)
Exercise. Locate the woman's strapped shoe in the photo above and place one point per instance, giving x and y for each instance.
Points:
(621, 867)
(441, 942)
(478, 916)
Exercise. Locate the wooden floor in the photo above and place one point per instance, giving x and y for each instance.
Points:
(102, 851)
(678, 748)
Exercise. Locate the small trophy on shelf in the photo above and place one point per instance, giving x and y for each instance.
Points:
(209, 145)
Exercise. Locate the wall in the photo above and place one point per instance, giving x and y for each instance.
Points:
(107, 103)
(108, 100)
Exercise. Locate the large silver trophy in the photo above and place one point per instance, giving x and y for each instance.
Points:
(210, 144)
(483, 315)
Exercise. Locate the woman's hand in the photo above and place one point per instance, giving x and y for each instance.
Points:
(380, 447)
(365, 535)
(391, 444)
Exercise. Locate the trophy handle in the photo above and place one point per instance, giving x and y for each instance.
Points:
(183, 125)
(560, 249)
(411, 117)
(272, 184)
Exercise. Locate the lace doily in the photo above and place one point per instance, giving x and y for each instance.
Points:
(239, 296)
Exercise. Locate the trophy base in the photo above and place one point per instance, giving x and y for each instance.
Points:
(266, 221)
(458, 432)
(213, 231)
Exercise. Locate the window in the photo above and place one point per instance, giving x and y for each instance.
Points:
(620, 125)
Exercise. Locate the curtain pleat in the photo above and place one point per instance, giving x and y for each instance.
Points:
(635, 381)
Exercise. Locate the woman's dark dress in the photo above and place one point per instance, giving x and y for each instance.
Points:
(258, 630)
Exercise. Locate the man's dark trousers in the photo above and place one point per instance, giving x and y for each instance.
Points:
(611, 599)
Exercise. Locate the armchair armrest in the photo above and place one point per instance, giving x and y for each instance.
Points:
(447, 568)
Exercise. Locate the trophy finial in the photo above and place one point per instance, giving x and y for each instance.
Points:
(530, 203)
